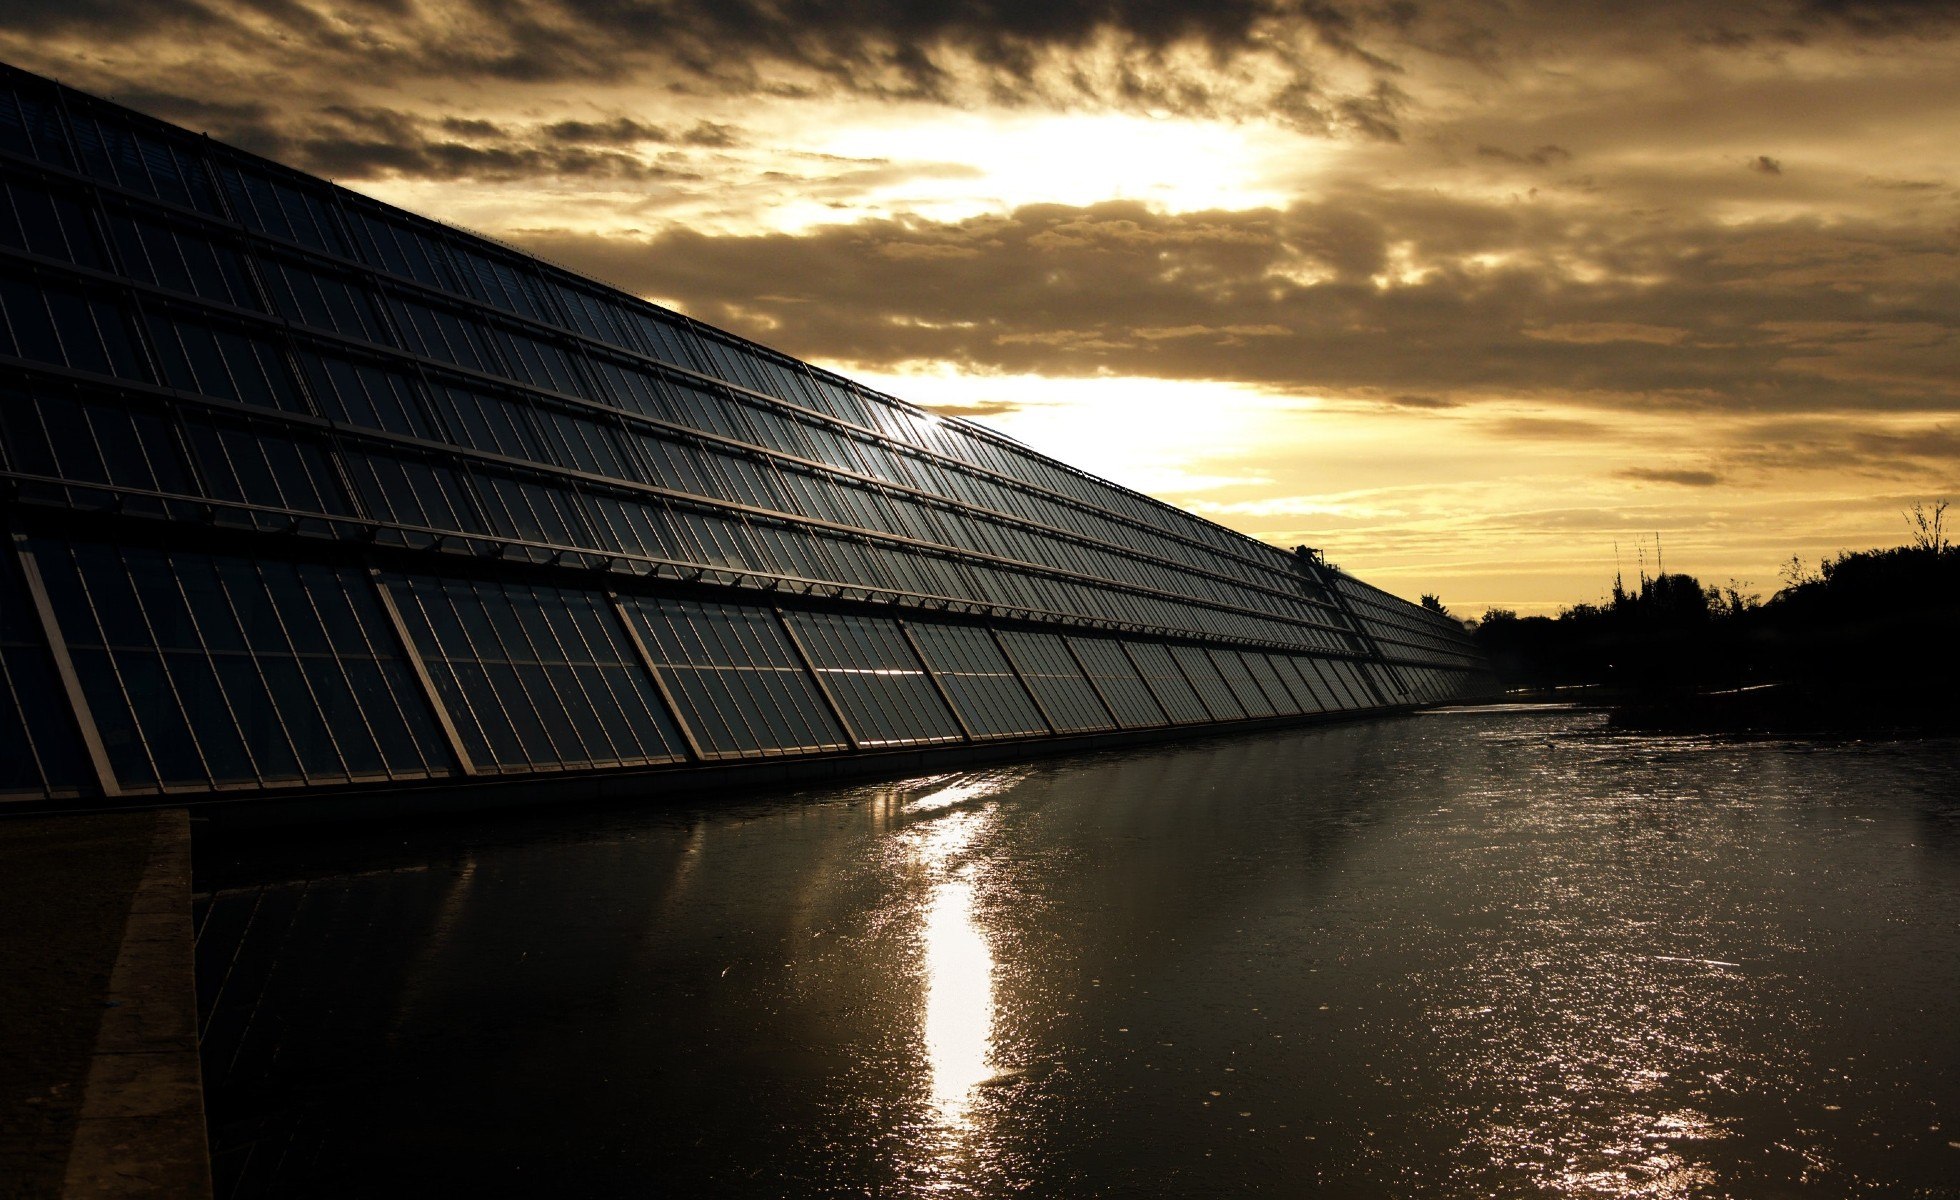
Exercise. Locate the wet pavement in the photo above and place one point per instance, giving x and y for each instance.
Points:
(1462, 953)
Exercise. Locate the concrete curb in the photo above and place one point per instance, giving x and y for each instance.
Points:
(142, 1131)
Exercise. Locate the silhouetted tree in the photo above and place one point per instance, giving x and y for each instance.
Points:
(1862, 641)
(1928, 526)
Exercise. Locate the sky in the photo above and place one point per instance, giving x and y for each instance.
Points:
(1488, 300)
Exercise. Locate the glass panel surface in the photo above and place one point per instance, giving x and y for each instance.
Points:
(1367, 682)
(1050, 672)
(1167, 683)
(876, 678)
(740, 685)
(40, 751)
(1117, 679)
(207, 669)
(1336, 684)
(1210, 686)
(1268, 678)
(1244, 687)
(526, 670)
(980, 680)
(1310, 675)
(1288, 673)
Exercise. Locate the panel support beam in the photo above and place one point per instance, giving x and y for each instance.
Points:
(633, 638)
(918, 651)
(64, 670)
(420, 670)
(816, 676)
(1046, 717)
(1150, 689)
(1115, 721)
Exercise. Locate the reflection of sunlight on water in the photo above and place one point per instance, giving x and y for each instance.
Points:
(959, 1017)
(962, 788)
(1605, 989)
(958, 964)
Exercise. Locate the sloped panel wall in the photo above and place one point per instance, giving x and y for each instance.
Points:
(309, 492)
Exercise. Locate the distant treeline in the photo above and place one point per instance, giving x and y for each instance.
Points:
(1866, 641)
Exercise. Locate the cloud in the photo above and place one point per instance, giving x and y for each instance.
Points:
(619, 131)
(1547, 429)
(1368, 292)
(1683, 478)
(1593, 333)
(977, 409)
(1355, 70)
(1545, 155)
(368, 142)
(1239, 57)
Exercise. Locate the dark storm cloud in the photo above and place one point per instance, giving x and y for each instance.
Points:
(1324, 66)
(1778, 316)
(126, 18)
(900, 41)
(712, 135)
(366, 142)
(1937, 448)
(1882, 18)
(197, 112)
(1171, 54)
(620, 131)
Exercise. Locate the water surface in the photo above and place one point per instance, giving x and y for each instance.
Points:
(1459, 954)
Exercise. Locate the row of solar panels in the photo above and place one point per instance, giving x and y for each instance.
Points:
(200, 671)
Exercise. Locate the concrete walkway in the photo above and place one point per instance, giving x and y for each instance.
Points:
(99, 1087)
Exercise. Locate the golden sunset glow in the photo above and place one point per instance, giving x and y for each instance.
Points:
(1464, 297)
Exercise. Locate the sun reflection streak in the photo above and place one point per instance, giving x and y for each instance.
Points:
(959, 1002)
(957, 1022)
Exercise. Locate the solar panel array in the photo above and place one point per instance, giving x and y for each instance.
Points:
(306, 491)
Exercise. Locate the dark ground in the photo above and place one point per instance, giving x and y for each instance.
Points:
(66, 884)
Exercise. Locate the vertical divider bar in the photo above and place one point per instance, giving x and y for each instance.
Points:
(1193, 685)
(1149, 690)
(1047, 717)
(1311, 704)
(918, 652)
(420, 670)
(1336, 687)
(816, 676)
(64, 669)
(1115, 721)
(1279, 706)
(633, 638)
